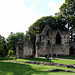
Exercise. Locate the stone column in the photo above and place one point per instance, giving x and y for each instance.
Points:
(36, 56)
(17, 54)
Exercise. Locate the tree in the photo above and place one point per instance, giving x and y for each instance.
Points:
(11, 53)
(67, 11)
(39, 25)
(12, 39)
(2, 50)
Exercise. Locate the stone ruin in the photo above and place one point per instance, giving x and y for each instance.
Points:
(24, 48)
(49, 41)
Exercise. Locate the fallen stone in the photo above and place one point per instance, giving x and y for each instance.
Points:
(57, 70)
(69, 66)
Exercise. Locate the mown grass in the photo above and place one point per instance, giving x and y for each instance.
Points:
(9, 68)
(7, 58)
(67, 57)
(62, 61)
(14, 68)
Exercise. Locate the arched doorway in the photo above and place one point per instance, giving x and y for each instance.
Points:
(72, 50)
(58, 38)
(47, 34)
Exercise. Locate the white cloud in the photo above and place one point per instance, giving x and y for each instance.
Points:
(54, 6)
(15, 17)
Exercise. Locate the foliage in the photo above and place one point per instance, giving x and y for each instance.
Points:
(39, 25)
(2, 50)
(11, 53)
(12, 39)
(67, 12)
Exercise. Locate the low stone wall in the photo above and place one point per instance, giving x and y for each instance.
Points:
(51, 64)
(57, 70)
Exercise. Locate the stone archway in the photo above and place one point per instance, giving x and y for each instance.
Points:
(72, 50)
(58, 38)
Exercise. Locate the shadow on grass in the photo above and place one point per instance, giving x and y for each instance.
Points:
(15, 69)
(40, 59)
(9, 68)
(67, 57)
(7, 58)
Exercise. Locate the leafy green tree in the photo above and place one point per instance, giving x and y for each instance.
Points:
(12, 39)
(11, 53)
(2, 50)
(67, 12)
(39, 25)
(4, 45)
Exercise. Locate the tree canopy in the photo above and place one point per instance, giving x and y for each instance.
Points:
(12, 39)
(67, 12)
(66, 16)
(39, 25)
(2, 49)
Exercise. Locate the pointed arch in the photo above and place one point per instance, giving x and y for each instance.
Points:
(47, 33)
(58, 38)
(48, 42)
(71, 51)
(40, 38)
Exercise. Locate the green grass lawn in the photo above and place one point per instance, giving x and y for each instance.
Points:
(62, 61)
(14, 68)
(67, 57)
(9, 68)
(7, 58)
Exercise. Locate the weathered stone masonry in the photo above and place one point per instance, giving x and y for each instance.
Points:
(49, 41)
(52, 42)
(24, 49)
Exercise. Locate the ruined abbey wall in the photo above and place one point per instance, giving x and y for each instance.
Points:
(52, 42)
(49, 41)
(24, 49)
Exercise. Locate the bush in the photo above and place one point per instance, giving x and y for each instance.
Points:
(2, 51)
(11, 53)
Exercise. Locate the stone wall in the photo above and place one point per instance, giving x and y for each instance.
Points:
(47, 42)
(24, 49)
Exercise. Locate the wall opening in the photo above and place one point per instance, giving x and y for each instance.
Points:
(48, 42)
(47, 34)
(40, 38)
(74, 38)
(58, 38)
(71, 51)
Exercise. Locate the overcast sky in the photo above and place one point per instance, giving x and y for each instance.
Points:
(18, 15)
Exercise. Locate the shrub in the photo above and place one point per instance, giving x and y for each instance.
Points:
(11, 53)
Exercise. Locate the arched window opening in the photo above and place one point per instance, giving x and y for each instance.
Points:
(48, 42)
(40, 38)
(47, 33)
(74, 38)
(71, 52)
(58, 38)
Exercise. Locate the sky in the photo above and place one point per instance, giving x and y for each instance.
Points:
(19, 15)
